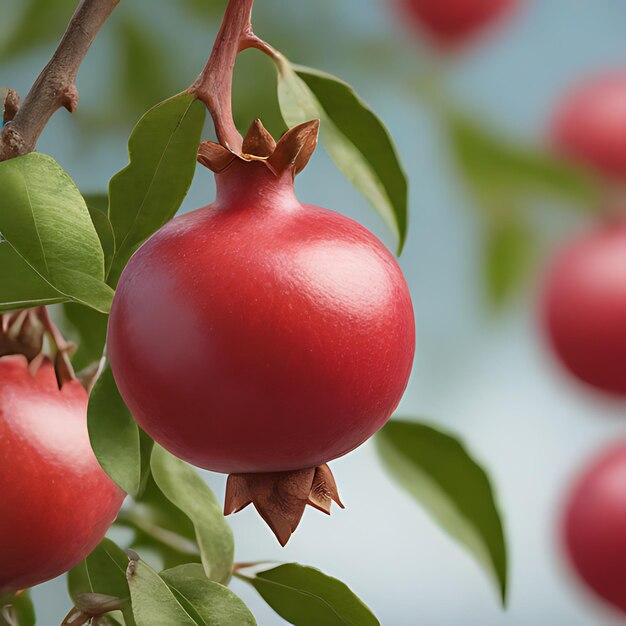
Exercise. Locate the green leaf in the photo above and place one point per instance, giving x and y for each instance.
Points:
(114, 434)
(307, 597)
(509, 253)
(20, 608)
(148, 192)
(498, 171)
(98, 207)
(90, 331)
(437, 470)
(45, 220)
(184, 487)
(20, 285)
(354, 137)
(210, 603)
(103, 572)
(161, 528)
(40, 22)
(152, 600)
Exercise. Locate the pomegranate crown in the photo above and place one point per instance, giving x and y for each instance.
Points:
(291, 153)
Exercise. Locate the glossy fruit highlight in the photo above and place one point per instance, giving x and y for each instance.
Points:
(590, 124)
(450, 23)
(594, 524)
(584, 307)
(57, 502)
(259, 335)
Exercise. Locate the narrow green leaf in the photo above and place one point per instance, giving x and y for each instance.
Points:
(45, 220)
(437, 470)
(509, 253)
(148, 192)
(184, 487)
(114, 434)
(152, 600)
(89, 332)
(498, 170)
(98, 210)
(161, 528)
(19, 609)
(304, 596)
(354, 137)
(103, 571)
(211, 603)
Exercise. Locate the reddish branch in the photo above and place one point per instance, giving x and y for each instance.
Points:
(215, 84)
(55, 87)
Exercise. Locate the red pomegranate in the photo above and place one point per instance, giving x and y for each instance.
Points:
(584, 307)
(590, 124)
(450, 23)
(258, 335)
(57, 503)
(594, 524)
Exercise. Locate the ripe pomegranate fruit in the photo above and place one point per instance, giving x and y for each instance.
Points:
(450, 23)
(57, 502)
(594, 524)
(260, 337)
(590, 124)
(584, 307)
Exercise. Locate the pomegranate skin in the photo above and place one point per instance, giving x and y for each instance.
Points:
(590, 124)
(261, 335)
(57, 502)
(584, 307)
(594, 523)
(450, 23)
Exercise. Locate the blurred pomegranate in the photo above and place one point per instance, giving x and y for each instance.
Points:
(590, 124)
(450, 23)
(595, 523)
(584, 307)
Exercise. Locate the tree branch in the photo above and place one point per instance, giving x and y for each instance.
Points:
(214, 86)
(55, 87)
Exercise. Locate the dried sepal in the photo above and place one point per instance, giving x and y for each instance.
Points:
(295, 147)
(258, 142)
(215, 156)
(281, 497)
(11, 105)
(292, 152)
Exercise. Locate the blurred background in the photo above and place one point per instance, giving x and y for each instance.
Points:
(482, 369)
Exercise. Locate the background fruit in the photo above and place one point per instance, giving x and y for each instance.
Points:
(594, 526)
(260, 335)
(590, 123)
(61, 503)
(585, 307)
(451, 22)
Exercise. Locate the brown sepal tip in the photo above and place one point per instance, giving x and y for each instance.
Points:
(281, 497)
(292, 152)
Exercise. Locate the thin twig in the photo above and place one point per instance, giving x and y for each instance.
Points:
(55, 87)
(214, 86)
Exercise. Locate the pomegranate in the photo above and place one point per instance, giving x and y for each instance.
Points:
(590, 124)
(594, 524)
(584, 307)
(449, 23)
(260, 337)
(57, 503)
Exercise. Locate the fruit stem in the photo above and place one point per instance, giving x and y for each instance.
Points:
(55, 86)
(214, 86)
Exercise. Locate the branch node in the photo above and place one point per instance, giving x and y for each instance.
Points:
(11, 105)
(69, 98)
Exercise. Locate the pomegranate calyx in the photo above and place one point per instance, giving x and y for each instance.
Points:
(281, 497)
(292, 152)
(23, 333)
